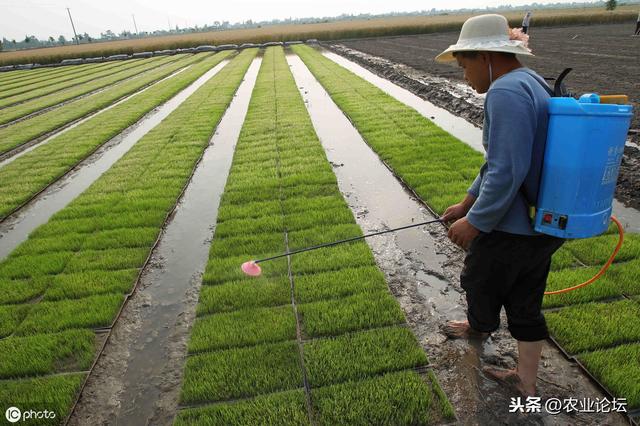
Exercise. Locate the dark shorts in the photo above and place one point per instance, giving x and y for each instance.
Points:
(509, 270)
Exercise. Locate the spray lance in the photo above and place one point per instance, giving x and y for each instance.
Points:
(585, 143)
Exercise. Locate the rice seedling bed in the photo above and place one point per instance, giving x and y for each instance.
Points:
(9, 92)
(15, 108)
(439, 169)
(84, 279)
(30, 174)
(270, 343)
(47, 122)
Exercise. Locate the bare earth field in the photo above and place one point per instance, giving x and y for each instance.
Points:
(605, 59)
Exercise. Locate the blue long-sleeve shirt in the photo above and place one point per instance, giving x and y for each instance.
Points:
(514, 134)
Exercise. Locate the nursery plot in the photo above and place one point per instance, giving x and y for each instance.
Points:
(34, 171)
(42, 124)
(440, 169)
(107, 244)
(23, 107)
(9, 93)
(279, 132)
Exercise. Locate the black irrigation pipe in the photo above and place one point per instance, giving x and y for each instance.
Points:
(127, 297)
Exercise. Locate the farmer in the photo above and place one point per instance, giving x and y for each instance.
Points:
(637, 32)
(525, 22)
(507, 263)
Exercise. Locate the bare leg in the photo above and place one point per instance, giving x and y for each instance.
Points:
(523, 378)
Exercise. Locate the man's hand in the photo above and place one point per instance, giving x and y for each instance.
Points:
(462, 233)
(454, 212)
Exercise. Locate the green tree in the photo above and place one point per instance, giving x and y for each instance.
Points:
(611, 4)
(62, 40)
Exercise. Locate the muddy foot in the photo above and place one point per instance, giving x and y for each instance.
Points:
(510, 379)
(462, 330)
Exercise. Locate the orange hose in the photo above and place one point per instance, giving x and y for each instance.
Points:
(603, 269)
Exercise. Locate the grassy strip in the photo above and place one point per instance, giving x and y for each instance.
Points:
(43, 353)
(44, 101)
(360, 355)
(51, 74)
(19, 92)
(243, 328)
(594, 251)
(394, 399)
(615, 322)
(399, 134)
(24, 131)
(283, 408)
(54, 394)
(29, 174)
(240, 373)
(84, 283)
(618, 369)
(280, 181)
(22, 76)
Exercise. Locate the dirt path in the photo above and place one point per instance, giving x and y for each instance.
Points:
(408, 62)
(422, 268)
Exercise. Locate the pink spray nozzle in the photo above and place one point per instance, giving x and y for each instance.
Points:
(251, 268)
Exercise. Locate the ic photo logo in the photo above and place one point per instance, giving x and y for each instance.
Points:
(13, 414)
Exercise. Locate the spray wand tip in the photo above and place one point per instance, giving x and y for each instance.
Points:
(251, 268)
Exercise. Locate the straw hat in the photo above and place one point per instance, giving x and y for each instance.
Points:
(488, 33)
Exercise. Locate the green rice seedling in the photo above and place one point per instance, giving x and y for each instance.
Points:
(283, 408)
(10, 317)
(46, 74)
(87, 81)
(41, 101)
(338, 284)
(243, 328)
(615, 322)
(321, 234)
(348, 255)
(400, 135)
(90, 312)
(45, 353)
(121, 238)
(562, 259)
(28, 266)
(252, 210)
(596, 250)
(90, 283)
(393, 399)
(24, 131)
(232, 296)
(605, 287)
(446, 409)
(358, 312)
(297, 205)
(240, 373)
(38, 168)
(310, 219)
(66, 242)
(618, 369)
(361, 355)
(62, 75)
(263, 225)
(53, 393)
(107, 260)
(252, 246)
(20, 291)
(228, 269)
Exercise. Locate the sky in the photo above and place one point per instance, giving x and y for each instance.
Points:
(44, 18)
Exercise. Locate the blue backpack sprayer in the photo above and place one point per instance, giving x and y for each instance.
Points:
(585, 143)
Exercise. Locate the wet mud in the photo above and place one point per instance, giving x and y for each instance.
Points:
(422, 268)
(15, 228)
(138, 376)
(408, 62)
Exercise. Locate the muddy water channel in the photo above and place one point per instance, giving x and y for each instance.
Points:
(422, 268)
(137, 378)
(16, 228)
